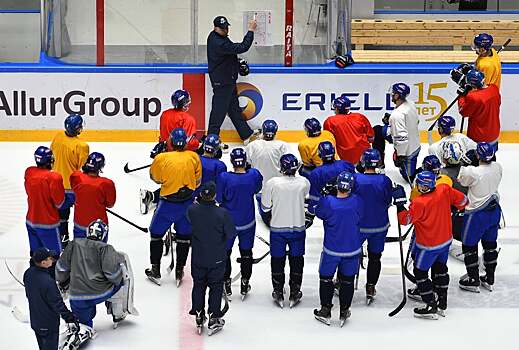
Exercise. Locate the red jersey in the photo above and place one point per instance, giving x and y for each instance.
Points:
(431, 215)
(482, 108)
(45, 195)
(172, 119)
(353, 135)
(93, 195)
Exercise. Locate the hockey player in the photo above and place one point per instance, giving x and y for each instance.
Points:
(482, 107)
(45, 302)
(105, 276)
(488, 61)
(341, 217)
(283, 201)
(431, 215)
(264, 155)
(70, 153)
(323, 175)
(213, 227)
(211, 166)
(236, 191)
(403, 123)
(179, 173)
(431, 163)
(308, 146)
(446, 125)
(375, 191)
(45, 197)
(481, 220)
(94, 194)
(352, 131)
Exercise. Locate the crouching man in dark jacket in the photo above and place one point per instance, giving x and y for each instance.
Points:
(45, 302)
(212, 227)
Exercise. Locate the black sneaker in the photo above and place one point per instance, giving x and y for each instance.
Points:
(429, 312)
(469, 283)
(227, 287)
(324, 315)
(414, 293)
(487, 282)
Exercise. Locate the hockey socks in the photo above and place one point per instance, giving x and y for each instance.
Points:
(374, 267)
(346, 290)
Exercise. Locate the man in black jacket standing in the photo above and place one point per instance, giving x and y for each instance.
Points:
(45, 302)
(212, 227)
(223, 64)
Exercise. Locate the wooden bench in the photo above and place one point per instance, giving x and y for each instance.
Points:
(423, 56)
(455, 33)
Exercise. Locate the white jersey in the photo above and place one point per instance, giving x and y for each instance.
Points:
(404, 129)
(482, 182)
(285, 197)
(465, 142)
(264, 155)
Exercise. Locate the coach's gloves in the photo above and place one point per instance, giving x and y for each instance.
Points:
(309, 219)
(159, 148)
(243, 69)
(399, 196)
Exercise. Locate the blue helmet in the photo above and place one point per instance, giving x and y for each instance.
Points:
(178, 137)
(269, 128)
(180, 99)
(345, 181)
(370, 158)
(485, 151)
(475, 78)
(97, 230)
(483, 40)
(43, 156)
(431, 163)
(73, 124)
(401, 89)
(341, 104)
(447, 124)
(326, 151)
(94, 163)
(426, 180)
(288, 164)
(238, 158)
(212, 143)
(312, 127)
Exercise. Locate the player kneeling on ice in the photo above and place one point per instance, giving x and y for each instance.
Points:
(431, 215)
(213, 227)
(236, 190)
(481, 220)
(45, 302)
(283, 202)
(106, 276)
(341, 217)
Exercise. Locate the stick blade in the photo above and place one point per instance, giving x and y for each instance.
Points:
(398, 308)
(126, 169)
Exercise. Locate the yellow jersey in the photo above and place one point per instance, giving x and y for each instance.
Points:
(440, 179)
(175, 170)
(308, 148)
(491, 67)
(70, 154)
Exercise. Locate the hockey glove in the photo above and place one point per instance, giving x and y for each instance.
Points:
(399, 196)
(385, 118)
(243, 69)
(458, 74)
(329, 189)
(309, 219)
(159, 148)
(463, 91)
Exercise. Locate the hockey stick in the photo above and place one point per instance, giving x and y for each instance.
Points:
(397, 239)
(12, 274)
(143, 229)
(430, 130)
(128, 170)
(254, 261)
(408, 274)
(404, 292)
(172, 263)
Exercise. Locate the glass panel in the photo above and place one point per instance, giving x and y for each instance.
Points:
(399, 5)
(508, 5)
(19, 4)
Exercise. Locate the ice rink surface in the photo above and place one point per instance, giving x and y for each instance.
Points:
(474, 321)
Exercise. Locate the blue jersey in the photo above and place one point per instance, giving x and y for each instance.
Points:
(341, 219)
(235, 192)
(375, 191)
(321, 175)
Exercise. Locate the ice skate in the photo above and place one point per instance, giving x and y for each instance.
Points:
(244, 288)
(487, 283)
(345, 313)
(145, 199)
(200, 320)
(469, 284)
(429, 312)
(323, 315)
(295, 298)
(370, 293)
(76, 337)
(215, 325)
(414, 294)
(277, 295)
(153, 274)
(179, 274)
(227, 287)
(117, 320)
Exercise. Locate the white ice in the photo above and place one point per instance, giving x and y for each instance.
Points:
(474, 321)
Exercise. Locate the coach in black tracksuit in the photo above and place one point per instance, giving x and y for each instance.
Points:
(212, 226)
(45, 302)
(222, 61)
